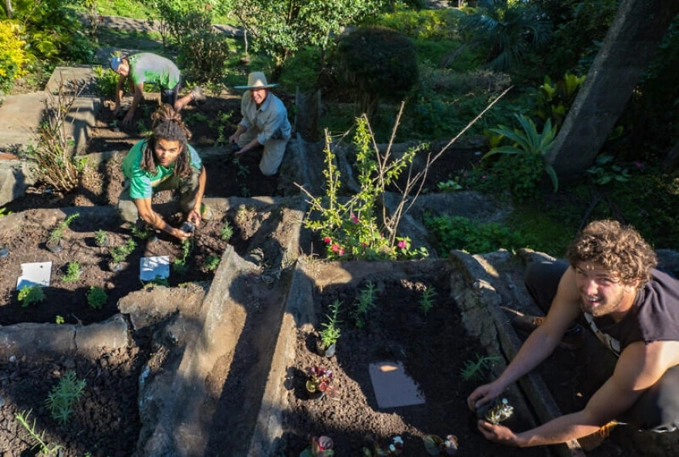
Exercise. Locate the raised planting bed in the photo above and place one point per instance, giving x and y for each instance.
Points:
(431, 349)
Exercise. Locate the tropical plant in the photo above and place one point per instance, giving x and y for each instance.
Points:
(508, 29)
(331, 332)
(478, 369)
(36, 440)
(96, 297)
(30, 294)
(58, 232)
(530, 146)
(321, 380)
(555, 99)
(62, 396)
(365, 302)
(605, 171)
(73, 271)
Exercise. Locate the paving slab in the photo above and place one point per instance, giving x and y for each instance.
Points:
(20, 116)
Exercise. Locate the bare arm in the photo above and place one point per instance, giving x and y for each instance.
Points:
(152, 218)
(539, 345)
(136, 100)
(194, 216)
(119, 92)
(640, 366)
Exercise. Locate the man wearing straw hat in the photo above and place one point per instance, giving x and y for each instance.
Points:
(265, 123)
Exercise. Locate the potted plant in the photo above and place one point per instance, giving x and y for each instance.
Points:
(321, 446)
(320, 383)
(54, 239)
(495, 411)
(374, 448)
(101, 238)
(72, 272)
(326, 345)
(435, 445)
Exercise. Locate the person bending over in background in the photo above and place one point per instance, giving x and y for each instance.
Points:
(632, 308)
(150, 68)
(265, 123)
(164, 161)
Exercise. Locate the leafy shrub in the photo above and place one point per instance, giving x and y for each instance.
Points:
(377, 64)
(120, 253)
(106, 82)
(430, 25)
(204, 54)
(555, 99)
(462, 234)
(73, 271)
(96, 297)
(31, 294)
(13, 58)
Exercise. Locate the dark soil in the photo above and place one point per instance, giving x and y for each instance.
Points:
(432, 348)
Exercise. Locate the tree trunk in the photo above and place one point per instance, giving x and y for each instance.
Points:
(636, 32)
(10, 13)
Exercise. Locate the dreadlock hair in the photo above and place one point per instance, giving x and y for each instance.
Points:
(168, 125)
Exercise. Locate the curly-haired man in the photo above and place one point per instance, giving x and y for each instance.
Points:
(631, 306)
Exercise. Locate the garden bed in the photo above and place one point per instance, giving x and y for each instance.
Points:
(432, 349)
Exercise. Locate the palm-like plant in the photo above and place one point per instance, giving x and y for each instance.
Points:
(510, 28)
(528, 141)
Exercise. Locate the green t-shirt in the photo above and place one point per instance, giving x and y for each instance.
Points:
(142, 182)
(153, 69)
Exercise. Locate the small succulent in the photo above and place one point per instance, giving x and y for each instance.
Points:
(321, 380)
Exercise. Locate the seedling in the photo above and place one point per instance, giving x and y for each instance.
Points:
(435, 445)
(366, 302)
(73, 271)
(211, 263)
(101, 238)
(143, 233)
(321, 380)
(31, 294)
(427, 300)
(62, 396)
(376, 449)
(179, 264)
(59, 320)
(96, 297)
(331, 332)
(58, 232)
(478, 370)
(321, 446)
(120, 253)
(35, 439)
(226, 232)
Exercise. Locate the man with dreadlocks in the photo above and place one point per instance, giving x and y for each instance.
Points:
(165, 161)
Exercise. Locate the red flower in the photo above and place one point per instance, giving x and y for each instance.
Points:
(335, 247)
(327, 240)
(354, 218)
(341, 251)
(402, 244)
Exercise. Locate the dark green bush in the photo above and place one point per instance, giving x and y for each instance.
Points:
(378, 64)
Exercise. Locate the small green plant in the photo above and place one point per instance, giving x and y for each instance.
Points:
(59, 320)
(141, 232)
(180, 263)
(478, 370)
(4, 212)
(365, 302)
(331, 332)
(96, 297)
(30, 295)
(62, 396)
(157, 281)
(120, 253)
(100, 238)
(73, 271)
(35, 439)
(106, 82)
(427, 300)
(226, 232)
(58, 232)
(605, 171)
(211, 263)
(449, 186)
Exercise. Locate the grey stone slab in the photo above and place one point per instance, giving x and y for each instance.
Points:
(111, 334)
(20, 116)
(36, 339)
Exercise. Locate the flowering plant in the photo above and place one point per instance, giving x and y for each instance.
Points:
(395, 447)
(321, 446)
(353, 228)
(321, 380)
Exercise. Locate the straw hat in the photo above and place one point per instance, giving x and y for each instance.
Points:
(256, 80)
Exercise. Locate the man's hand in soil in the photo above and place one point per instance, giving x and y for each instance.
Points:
(498, 433)
(194, 217)
(181, 235)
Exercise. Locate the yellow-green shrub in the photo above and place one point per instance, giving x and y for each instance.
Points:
(13, 56)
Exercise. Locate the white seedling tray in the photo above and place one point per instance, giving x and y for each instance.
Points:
(32, 274)
(157, 267)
